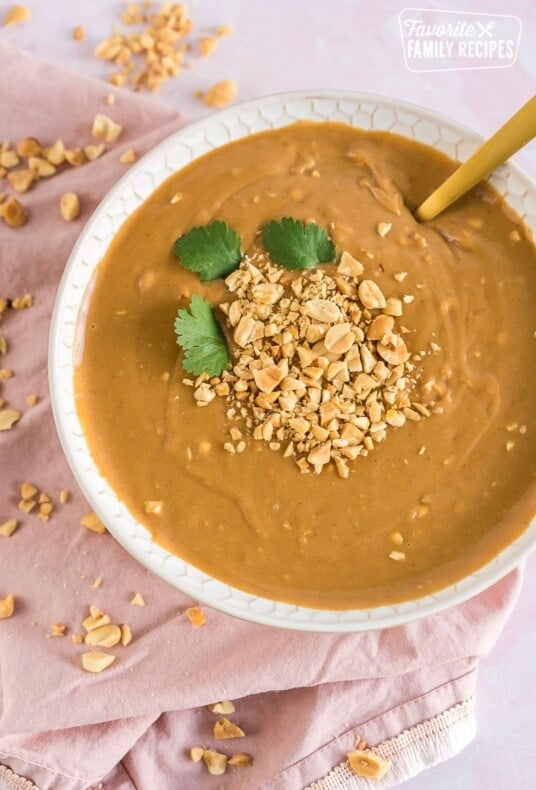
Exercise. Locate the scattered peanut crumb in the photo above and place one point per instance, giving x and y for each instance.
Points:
(224, 30)
(13, 212)
(103, 636)
(153, 506)
(3, 345)
(96, 619)
(8, 418)
(96, 661)
(8, 527)
(97, 583)
(7, 607)
(110, 99)
(367, 764)
(77, 639)
(196, 754)
(220, 94)
(17, 14)
(160, 46)
(64, 496)
(207, 45)
(93, 152)
(137, 600)
(384, 228)
(27, 505)
(241, 760)
(21, 180)
(5, 373)
(79, 33)
(225, 728)
(225, 706)
(27, 490)
(29, 146)
(58, 629)
(69, 206)
(126, 634)
(22, 302)
(196, 616)
(93, 522)
(215, 761)
(128, 157)
(8, 158)
(45, 510)
(105, 129)
(41, 167)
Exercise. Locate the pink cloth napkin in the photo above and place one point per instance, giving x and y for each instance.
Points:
(301, 698)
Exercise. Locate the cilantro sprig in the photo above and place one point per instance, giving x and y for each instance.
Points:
(213, 250)
(200, 335)
(295, 245)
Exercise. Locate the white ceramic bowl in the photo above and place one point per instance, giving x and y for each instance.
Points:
(364, 110)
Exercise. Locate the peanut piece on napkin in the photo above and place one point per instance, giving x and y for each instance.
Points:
(7, 607)
(367, 764)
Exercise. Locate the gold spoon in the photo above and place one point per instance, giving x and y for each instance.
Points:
(515, 133)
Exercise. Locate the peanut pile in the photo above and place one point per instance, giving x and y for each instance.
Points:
(320, 372)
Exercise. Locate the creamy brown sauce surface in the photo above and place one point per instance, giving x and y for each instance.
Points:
(252, 519)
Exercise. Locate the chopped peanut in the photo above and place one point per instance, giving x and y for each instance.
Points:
(29, 147)
(137, 600)
(17, 14)
(215, 762)
(220, 94)
(69, 206)
(92, 521)
(224, 728)
(21, 180)
(8, 527)
(7, 607)
(226, 706)
(8, 418)
(96, 661)
(128, 157)
(126, 635)
(195, 616)
(207, 45)
(105, 129)
(94, 151)
(241, 760)
(13, 212)
(367, 764)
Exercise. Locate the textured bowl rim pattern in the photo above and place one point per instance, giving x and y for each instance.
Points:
(363, 110)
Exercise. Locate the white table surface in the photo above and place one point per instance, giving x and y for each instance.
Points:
(354, 44)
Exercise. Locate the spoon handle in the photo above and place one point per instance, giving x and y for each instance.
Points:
(515, 133)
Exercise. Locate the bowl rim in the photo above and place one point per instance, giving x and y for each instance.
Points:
(372, 618)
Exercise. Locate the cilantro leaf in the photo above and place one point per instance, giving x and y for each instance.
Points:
(200, 335)
(211, 251)
(295, 245)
